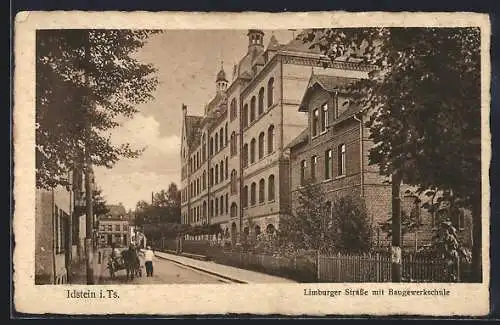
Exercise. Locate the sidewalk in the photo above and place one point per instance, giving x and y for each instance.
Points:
(79, 275)
(228, 272)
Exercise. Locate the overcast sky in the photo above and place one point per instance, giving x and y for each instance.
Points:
(187, 63)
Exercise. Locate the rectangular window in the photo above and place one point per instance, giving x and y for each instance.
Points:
(303, 172)
(341, 160)
(315, 122)
(328, 164)
(117, 227)
(110, 227)
(314, 160)
(324, 117)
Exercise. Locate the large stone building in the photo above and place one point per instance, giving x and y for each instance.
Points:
(114, 230)
(53, 211)
(114, 226)
(235, 162)
(59, 229)
(333, 152)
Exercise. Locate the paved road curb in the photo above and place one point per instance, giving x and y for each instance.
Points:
(203, 270)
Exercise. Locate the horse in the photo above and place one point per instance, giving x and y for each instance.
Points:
(132, 263)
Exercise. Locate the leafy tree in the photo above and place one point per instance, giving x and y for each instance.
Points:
(86, 81)
(308, 228)
(423, 97)
(319, 224)
(165, 208)
(167, 204)
(98, 204)
(351, 222)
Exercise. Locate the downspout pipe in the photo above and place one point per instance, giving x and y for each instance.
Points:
(361, 152)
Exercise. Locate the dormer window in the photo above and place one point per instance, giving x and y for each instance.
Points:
(315, 122)
(324, 117)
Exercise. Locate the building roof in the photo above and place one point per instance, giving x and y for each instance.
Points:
(219, 99)
(301, 138)
(328, 83)
(116, 210)
(273, 43)
(193, 128)
(221, 76)
(298, 45)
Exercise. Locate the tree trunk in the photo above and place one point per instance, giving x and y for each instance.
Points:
(396, 229)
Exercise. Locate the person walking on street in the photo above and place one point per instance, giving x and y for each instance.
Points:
(148, 261)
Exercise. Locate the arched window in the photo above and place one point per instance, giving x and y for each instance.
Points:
(225, 135)
(234, 210)
(222, 170)
(270, 188)
(216, 209)
(203, 149)
(216, 170)
(226, 175)
(204, 209)
(233, 109)
(211, 149)
(227, 203)
(211, 208)
(253, 193)
(261, 145)
(261, 101)
(270, 92)
(232, 144)
(221, 133)
(270, 229)
(252, 109)
(211, 176)
(244, 196)
(252, 151)
(270, 139)
(221, 205)
(262, 191)
(204, 180)
(244, 116)
(257, 230)
(216, 142)
(234, 185)
(245, 155)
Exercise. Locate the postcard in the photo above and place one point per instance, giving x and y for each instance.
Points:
(188, 163)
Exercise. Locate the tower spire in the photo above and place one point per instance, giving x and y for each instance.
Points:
(221, 81)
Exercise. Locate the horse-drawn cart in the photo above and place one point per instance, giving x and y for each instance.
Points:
(128, 262)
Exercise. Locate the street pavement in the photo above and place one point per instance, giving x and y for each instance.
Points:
(165, 272)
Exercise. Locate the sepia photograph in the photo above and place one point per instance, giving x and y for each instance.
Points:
(340, 155)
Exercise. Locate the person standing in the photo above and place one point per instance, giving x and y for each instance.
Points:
(148, 261)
